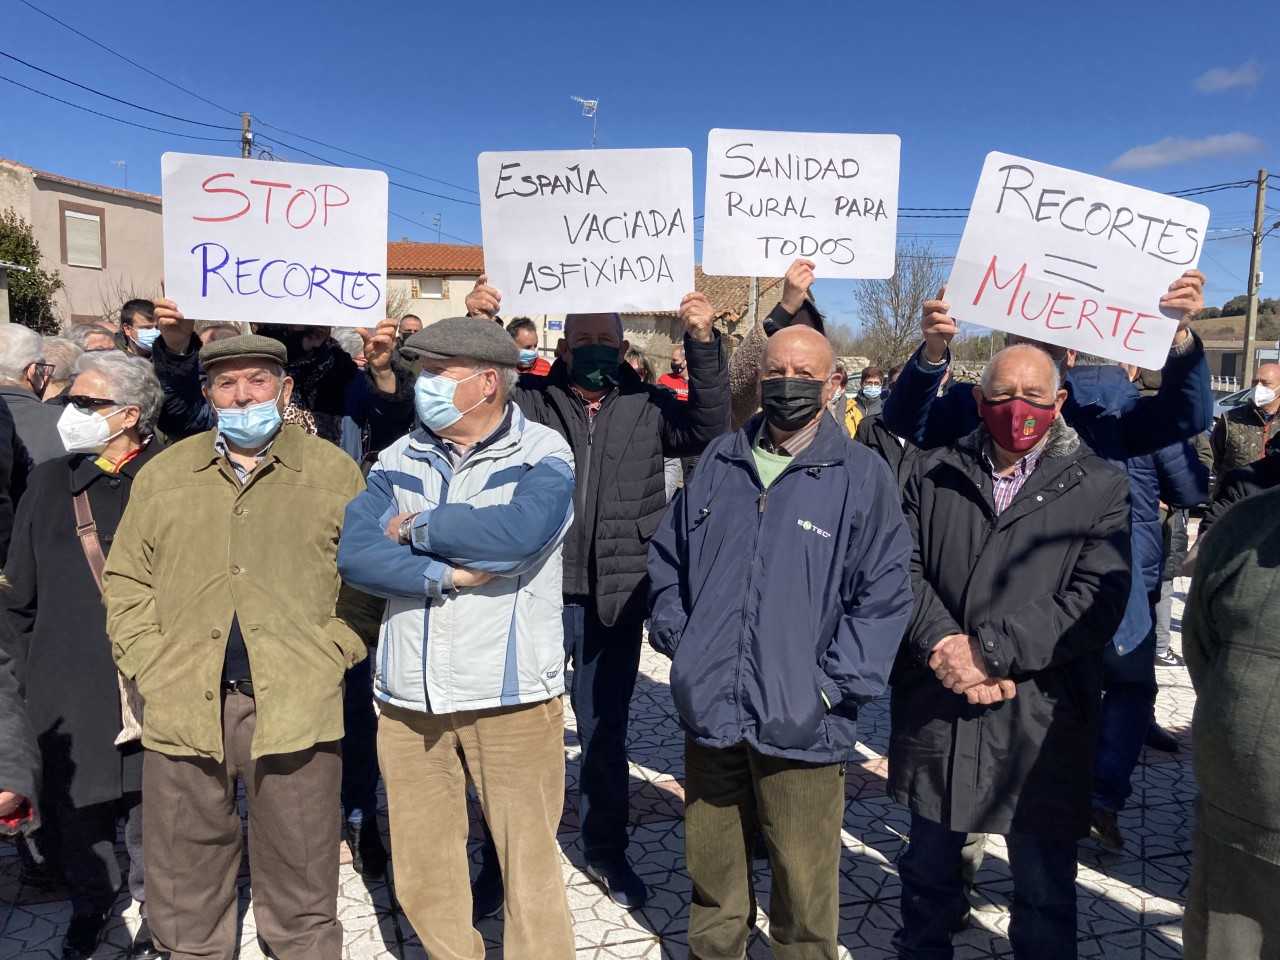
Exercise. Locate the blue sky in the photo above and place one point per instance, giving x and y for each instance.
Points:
(427, 86)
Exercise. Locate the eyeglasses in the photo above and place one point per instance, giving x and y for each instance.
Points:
(82, 402)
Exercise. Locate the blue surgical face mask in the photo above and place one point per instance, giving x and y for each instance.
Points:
(250, 427)
(871, 391)
(433, 401)
(146, 337)
(528, 357)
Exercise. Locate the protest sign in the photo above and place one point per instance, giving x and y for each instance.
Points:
(588, 231)
(269, 242)
(829, 197)
(1073, 259)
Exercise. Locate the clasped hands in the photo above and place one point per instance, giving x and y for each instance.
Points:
(959, 667)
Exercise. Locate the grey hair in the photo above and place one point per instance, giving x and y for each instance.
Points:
(19, 348)
(349, 340)
(63, 354)
(987, 371)
(80, 333)
(133, 383)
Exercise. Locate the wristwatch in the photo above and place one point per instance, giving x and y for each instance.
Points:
(405, 532)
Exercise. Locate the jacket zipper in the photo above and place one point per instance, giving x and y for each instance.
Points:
(761, 502)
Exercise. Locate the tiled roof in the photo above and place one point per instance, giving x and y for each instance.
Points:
(434, 259)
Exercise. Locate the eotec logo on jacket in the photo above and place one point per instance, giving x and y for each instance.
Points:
(811, 527)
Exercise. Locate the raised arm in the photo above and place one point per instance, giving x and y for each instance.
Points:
(689, 427)
(175, 357)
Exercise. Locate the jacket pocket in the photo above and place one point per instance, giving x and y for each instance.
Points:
(646, 527)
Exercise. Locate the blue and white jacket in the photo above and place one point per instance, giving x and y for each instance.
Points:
(504, 511)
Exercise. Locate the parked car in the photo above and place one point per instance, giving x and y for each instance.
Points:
(1231, 400)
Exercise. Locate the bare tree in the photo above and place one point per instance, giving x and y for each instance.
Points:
(117, 289)
(398, 301)
(889, 311)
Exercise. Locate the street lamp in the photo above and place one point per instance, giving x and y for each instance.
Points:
(589, 108)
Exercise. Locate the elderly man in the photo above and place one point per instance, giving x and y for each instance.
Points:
(461, 531)
(61, 354)
(620, 430)
(1126, 429)
(1021, 575)
(1233, 652)
(780, 589)
(1240, 436)
(225, 605)
(23, 377)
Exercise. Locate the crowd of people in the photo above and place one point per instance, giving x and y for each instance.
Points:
(288, 562)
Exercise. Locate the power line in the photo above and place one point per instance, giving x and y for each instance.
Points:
(203, 99)
(108, 116)
(129, 60)
(107, 96)
(394, 183)
(419, 223)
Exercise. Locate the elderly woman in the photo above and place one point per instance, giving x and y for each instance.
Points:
(92, 775)
(61, 354)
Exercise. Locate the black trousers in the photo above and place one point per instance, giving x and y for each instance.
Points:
(83, 842)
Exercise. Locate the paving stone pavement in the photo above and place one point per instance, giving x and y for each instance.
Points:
(1130, 904)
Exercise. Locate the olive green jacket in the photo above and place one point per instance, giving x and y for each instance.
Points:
(196, 548)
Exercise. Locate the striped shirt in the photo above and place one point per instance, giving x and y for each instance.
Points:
(795, 444)
(1004, 487)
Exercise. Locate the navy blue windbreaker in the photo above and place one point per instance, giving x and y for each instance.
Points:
(782, 612)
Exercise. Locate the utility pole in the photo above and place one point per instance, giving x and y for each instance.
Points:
(753, 302)
(246, 136)
(1255, 273)
(436, 222)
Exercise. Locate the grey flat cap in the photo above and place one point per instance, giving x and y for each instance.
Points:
(471, 338)
(244, 347)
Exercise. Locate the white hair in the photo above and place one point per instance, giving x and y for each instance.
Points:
(63, 354)
(80, 333)
(19, 349)
(987, 372)
(133, 383)
(349, 340)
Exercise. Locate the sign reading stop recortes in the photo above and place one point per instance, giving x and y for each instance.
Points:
(588, 231)
(268, 242)
(773, 197)
(1075, 260)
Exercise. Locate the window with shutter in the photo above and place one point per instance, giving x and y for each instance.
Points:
(82, 244)
(429, 288)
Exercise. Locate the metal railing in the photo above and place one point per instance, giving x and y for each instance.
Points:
(1225, 384)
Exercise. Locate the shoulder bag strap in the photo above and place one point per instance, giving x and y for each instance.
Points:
(87, 531)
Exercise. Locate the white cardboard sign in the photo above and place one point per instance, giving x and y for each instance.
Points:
(588, 231)
(1073, 259)
(270, 242)
(773, 197)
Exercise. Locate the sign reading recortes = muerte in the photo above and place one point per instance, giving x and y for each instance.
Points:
(588, 231)
(773, 197)
(269, 242)
(1073, 259)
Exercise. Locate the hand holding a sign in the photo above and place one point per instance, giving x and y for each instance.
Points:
(796, 284)
(378, 349)
(483, 300)
(698, 314)
(175, 329)
(1186, 294)
(938, 328)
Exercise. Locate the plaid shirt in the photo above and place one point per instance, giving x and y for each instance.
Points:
(1005, 487)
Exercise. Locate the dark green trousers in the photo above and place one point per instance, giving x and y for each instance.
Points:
(730, 797)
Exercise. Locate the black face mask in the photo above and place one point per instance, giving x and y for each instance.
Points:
(791, 402)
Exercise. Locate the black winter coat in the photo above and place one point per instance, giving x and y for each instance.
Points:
(619, 495)
(1041, 588)
(898, 454)
(1240, 484)
(60, 627)
(19, 760)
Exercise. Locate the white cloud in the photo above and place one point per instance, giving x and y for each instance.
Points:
(1229, 78)
(1175, 150)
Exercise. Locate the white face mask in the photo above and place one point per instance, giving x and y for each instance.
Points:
(85, 432)
(1262, 395)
